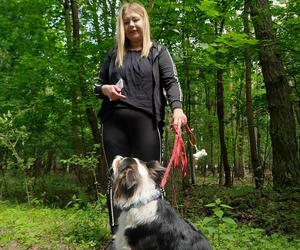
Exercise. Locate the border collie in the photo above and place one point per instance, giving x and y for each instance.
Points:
(147, 221)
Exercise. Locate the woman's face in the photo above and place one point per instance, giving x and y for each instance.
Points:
(133, 25)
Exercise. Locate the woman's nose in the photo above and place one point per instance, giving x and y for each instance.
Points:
(131, 23)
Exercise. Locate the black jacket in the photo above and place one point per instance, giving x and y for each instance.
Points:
(166, 82)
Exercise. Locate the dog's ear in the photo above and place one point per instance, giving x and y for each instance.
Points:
(156, 170)
(116, 163)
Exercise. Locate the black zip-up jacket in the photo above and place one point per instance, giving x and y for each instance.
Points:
(165, 80)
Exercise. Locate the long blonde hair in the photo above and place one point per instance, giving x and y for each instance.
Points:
(120, 36)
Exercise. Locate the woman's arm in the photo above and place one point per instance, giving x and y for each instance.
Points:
(170, 82)
(102, 78)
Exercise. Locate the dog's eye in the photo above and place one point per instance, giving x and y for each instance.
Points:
(122, 168)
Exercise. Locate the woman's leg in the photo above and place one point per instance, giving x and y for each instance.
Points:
(128, 132)
(145, 138)
(114, 142)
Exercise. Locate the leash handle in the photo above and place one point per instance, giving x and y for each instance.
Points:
(178, 154)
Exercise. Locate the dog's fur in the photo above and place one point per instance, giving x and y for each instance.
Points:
(146, 223)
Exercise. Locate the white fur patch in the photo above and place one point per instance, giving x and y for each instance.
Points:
(142, 190)
(116, 163)
(131, 219)
(140, 215)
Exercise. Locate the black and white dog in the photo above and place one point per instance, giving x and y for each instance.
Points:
(147, 221)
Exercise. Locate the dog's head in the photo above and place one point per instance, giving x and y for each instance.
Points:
(134, 178)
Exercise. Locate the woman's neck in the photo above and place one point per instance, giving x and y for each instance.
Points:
(135, 46)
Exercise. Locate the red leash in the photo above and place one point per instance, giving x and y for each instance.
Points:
(178, 153)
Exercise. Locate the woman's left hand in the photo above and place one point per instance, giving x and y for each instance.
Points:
(179, 118)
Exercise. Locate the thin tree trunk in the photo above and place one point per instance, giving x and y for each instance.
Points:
(91, 117)
(240, 160)
(286, 165)
(3, 163)
(257, 169)
(234, 125)
(209, 104)
(113, 16)
(93, 7)
(236, 129)
(221, 171)
(73, 91)
(186, 63)
(105, 15)
(220, 112)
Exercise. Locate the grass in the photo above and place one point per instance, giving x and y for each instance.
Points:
(49, 190)
(24, 227)
(265, 220)
(247, 238)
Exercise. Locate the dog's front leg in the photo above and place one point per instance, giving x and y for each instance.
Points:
(121, 240)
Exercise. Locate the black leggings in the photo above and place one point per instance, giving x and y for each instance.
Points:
(129, 133)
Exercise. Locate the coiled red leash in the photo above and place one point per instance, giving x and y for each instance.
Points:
(178, 153)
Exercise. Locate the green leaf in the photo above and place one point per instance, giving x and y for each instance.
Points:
(207, 220)
(229, 221)
(218, 201)
(211, 205)
(209, 7)
(203, 45)
(226, 206)
(218, 212)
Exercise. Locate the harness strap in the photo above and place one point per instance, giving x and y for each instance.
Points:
(145, 200)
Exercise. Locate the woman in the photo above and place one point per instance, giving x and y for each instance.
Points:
(132, 82)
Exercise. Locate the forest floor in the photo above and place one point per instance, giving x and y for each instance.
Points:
(233, 218)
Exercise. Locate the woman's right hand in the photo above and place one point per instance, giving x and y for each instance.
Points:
(113, 92)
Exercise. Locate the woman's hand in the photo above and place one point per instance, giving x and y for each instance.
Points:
(179, 118)
(113, 92)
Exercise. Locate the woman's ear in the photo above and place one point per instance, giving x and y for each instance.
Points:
(156, 170)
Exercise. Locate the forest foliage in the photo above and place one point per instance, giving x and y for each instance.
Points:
(239, 67)
(51, 52)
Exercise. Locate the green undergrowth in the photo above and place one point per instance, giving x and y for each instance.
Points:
(274, 212)
(26, 227)
(232, 218)
(49, 190)
(23, 227)
(247, 238)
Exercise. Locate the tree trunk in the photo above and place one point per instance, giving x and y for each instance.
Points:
(286, 165)
(73, 92)
(113, 16)
(91, 117)
(93, 7)
(105, 15)
(185, 45)
(257, 169)
(220, 112)
(66, 12)
(209, 104)
(236, 126)
(240, 161)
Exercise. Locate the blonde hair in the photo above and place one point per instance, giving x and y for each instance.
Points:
(120, 36)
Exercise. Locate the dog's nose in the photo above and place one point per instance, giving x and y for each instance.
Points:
(126, 163)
